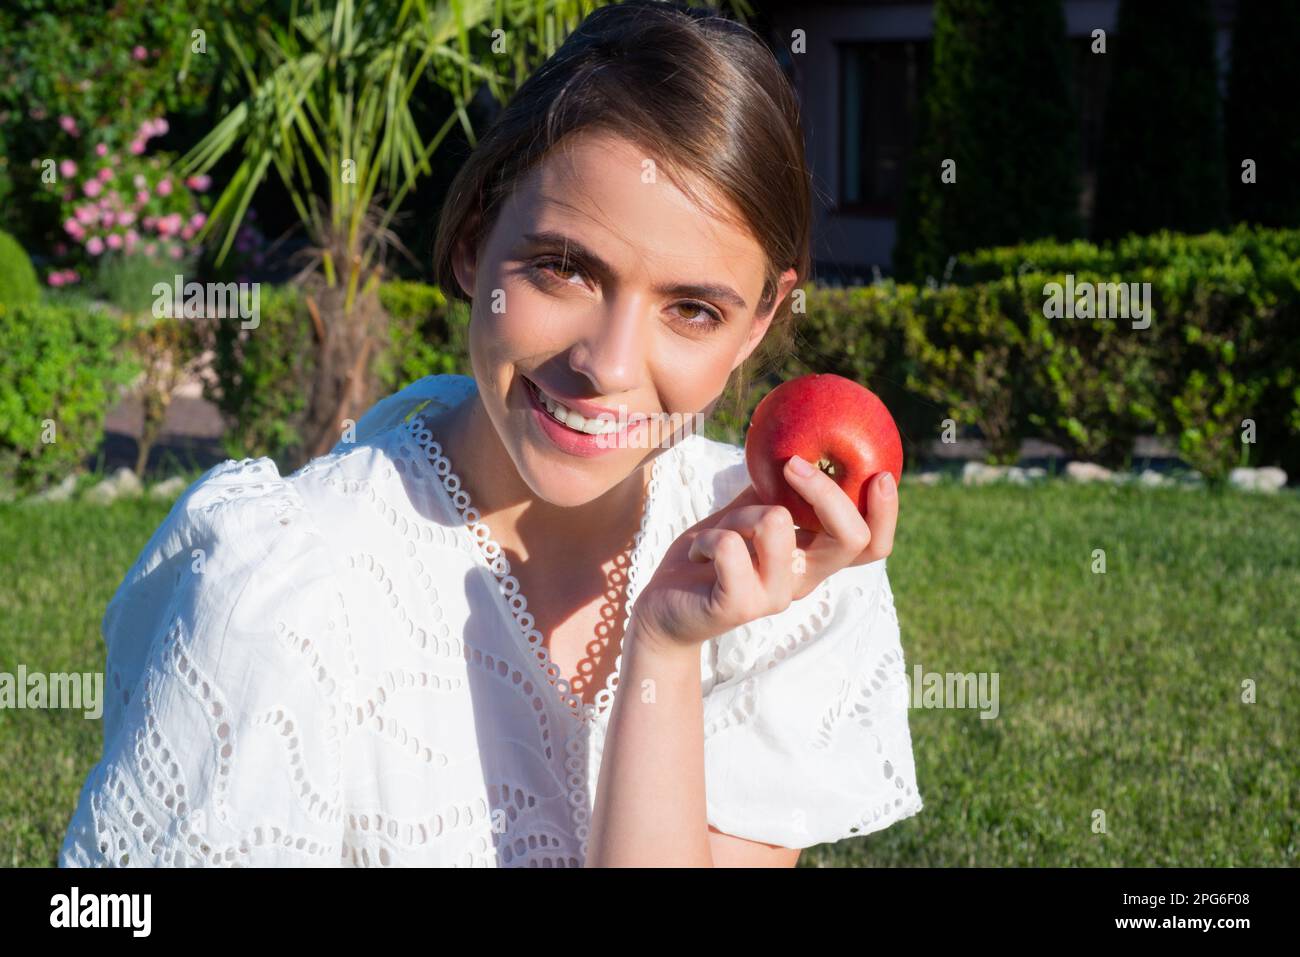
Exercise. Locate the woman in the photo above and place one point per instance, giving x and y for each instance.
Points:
(407, 651)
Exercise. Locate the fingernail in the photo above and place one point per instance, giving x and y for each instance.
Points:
(887, 486)
(800, 467)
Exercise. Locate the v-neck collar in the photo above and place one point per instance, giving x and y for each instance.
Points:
(510, 599)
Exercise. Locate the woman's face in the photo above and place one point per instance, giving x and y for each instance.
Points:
(652, 308)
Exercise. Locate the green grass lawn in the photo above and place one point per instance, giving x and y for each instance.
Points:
(1119, 692)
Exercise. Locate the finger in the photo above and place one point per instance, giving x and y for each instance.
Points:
(776, 554)
(770, 529)
(882, 518)
(839, 516)
(734, 566)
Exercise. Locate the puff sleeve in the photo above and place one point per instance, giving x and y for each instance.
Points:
(222, 721)
(805, 713)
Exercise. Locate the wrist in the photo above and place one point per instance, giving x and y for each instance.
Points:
(652, 644)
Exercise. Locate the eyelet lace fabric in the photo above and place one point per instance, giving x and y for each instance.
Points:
(337, 667)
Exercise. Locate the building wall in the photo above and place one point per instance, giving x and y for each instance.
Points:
(850, 244)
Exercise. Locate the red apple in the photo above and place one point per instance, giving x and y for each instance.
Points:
(831, 422)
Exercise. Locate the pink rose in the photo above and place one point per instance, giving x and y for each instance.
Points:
(165, 187)
(85, 215)
(95, 246)
(150, 249)
(69, 126)
(67, 169)
(176, 252)
(105, 175)
(107, 218)
(101, 150)
(70, 276)
(187, 233)
(139, 53)
(92, 188)
(132, 237)
(125, 218)
(137, 147)
(142, 197)
(198, 219)
(199, 183)
(55, 279)
(114, 241)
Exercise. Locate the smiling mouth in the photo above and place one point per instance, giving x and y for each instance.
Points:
(605, 424)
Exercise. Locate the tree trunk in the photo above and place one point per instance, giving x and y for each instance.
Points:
(345, 384)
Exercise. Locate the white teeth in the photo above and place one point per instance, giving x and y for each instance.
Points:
(575, 420)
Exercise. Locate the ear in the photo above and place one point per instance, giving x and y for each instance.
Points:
(762, 322)
(464, 256)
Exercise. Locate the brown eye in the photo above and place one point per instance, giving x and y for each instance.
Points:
(557, 269)
(701, 315)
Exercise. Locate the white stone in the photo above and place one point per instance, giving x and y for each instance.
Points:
(57, 493)
(121, 484)
(977, 473)
(169, 489)
(1152, 479)
(1268, 479)
(1088, 472)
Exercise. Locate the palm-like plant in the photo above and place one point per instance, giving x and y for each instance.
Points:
(328, 107)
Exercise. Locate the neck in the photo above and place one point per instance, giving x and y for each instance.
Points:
(518, 518)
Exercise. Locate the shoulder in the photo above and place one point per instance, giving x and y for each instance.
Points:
(431, 392)
(245, 516)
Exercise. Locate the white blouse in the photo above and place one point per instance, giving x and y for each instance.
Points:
(337, 668)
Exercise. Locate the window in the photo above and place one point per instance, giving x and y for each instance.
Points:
(881, 84)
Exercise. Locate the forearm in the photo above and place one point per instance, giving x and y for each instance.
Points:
(650, 809)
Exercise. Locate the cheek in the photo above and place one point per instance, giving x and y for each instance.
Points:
(518, 321)
(691, 373)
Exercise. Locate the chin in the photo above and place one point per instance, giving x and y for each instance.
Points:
(567, 484)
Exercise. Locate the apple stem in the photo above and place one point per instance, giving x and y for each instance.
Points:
(826, 466)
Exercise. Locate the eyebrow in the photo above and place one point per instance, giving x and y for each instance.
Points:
(707, 290)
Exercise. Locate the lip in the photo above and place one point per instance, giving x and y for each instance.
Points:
(566, 439)
(588, 410)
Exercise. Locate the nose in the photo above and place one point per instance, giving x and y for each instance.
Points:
(612, 352)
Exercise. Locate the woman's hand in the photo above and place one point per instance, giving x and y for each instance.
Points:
(748, 560)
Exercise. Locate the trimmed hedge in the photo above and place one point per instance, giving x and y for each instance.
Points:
(1221, 351)
(18, 282)
(61, 369)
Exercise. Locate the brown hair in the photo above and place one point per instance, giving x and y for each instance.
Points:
(702, 93)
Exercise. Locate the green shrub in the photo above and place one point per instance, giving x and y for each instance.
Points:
(1161, 161)
(60, 371)
(1259, 113)
(18, 282)
(1016, 167)
(427, 336)
(263, 374)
